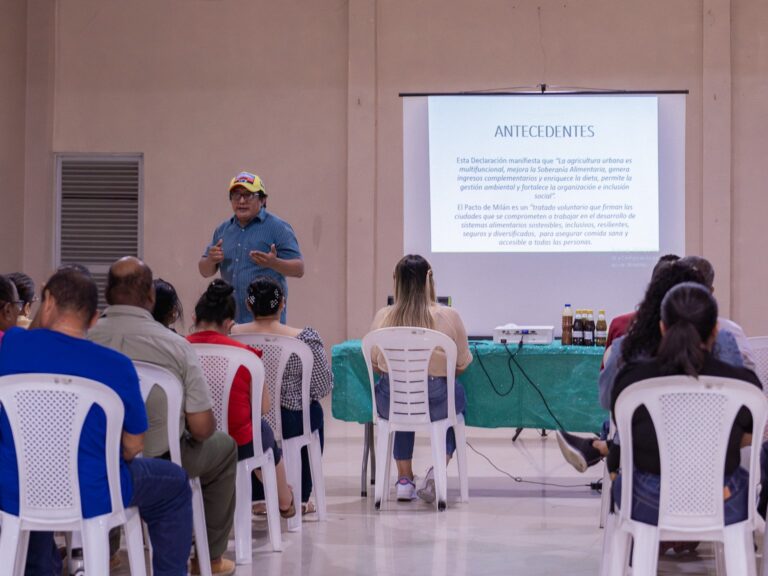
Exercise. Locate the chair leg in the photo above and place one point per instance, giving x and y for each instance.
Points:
(618, 555)
(605, 497)
(318, 480)
(380, 486)
(9, 543)
(645, 552)
(96, 545)
(243, 536)
(438, 432)
(739, 550)
(292, 457)
(273, 507)
(198, 525)
(605, 559)
(134, 539)
(461, 458)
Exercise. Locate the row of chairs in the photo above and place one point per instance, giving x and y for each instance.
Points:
(47, 412)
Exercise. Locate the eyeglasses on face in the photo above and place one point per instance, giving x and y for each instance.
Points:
(237, 196)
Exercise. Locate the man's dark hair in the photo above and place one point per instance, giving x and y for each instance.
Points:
(77, 268)
(6, 290)
(24, 286)
(704, 267)
(74, 292)
(132, 288)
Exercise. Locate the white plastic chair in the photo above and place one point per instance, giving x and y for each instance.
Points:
(220, 363)
(407, 351)
(693, 420)
(276, 350)
(46, 413)
(151, 375)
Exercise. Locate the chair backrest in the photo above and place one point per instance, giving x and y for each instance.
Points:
(759, 345)
(46, 413)
(693, 419)
(220, 363)
(276, 351)
(151, 375)
(407, 351)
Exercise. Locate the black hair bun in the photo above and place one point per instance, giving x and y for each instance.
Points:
(219, 290)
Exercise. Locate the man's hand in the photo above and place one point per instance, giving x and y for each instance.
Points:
(216, 252)
(209, 264)
(264, 259)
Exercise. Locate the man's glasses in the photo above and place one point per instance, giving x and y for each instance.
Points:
(237, 196)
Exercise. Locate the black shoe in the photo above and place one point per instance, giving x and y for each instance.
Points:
(577, 450)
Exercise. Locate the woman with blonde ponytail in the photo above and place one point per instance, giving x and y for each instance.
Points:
(416, 305)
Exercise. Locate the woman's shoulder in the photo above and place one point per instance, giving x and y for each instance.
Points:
(716, 367)
(446, 318)
(378, 319)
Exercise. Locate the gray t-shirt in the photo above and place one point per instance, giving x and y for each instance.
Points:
(133, 331)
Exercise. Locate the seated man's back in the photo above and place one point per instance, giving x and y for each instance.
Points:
(134, 332)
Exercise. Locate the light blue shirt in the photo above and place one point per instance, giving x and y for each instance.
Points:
(238, 269)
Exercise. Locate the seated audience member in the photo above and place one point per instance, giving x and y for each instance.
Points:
(415, 305)
(266, 303)
(724, 324)
(158, 488)
(128, 327)
(26, 290)
(689, 328)
(640, 342)
(168, 309)
(9, 305)
(214, 316)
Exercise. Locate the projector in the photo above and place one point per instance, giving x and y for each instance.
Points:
(513, 334)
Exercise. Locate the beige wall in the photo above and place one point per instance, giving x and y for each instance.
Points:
(205, 90)
(306, 94)
(750, 174)
(13, 47)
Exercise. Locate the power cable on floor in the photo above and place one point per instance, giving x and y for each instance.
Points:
(522, 481)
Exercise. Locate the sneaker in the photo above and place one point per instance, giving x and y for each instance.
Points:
(427, 490)
(577, 450)
(219, 567)
(406, 489)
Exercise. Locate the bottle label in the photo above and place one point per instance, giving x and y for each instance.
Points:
(601, 334)
(588, 336)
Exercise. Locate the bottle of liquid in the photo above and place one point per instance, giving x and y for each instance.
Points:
(589, 329)
(578, 329)
(567, 338)
(601, 329)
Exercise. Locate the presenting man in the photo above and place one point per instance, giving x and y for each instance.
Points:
(252, 243)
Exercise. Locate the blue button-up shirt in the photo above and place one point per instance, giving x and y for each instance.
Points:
(238, 269)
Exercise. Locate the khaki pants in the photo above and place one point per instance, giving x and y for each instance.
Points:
(214, 461)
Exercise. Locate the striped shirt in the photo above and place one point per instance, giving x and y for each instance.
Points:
(238, 269)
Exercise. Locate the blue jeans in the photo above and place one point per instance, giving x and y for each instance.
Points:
(646, 488)
(438, 410)
(294, 426)
(162, 494)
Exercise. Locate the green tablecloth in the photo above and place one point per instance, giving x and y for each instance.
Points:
(566, 376)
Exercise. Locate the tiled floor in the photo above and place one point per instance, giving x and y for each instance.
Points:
(506, 528)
